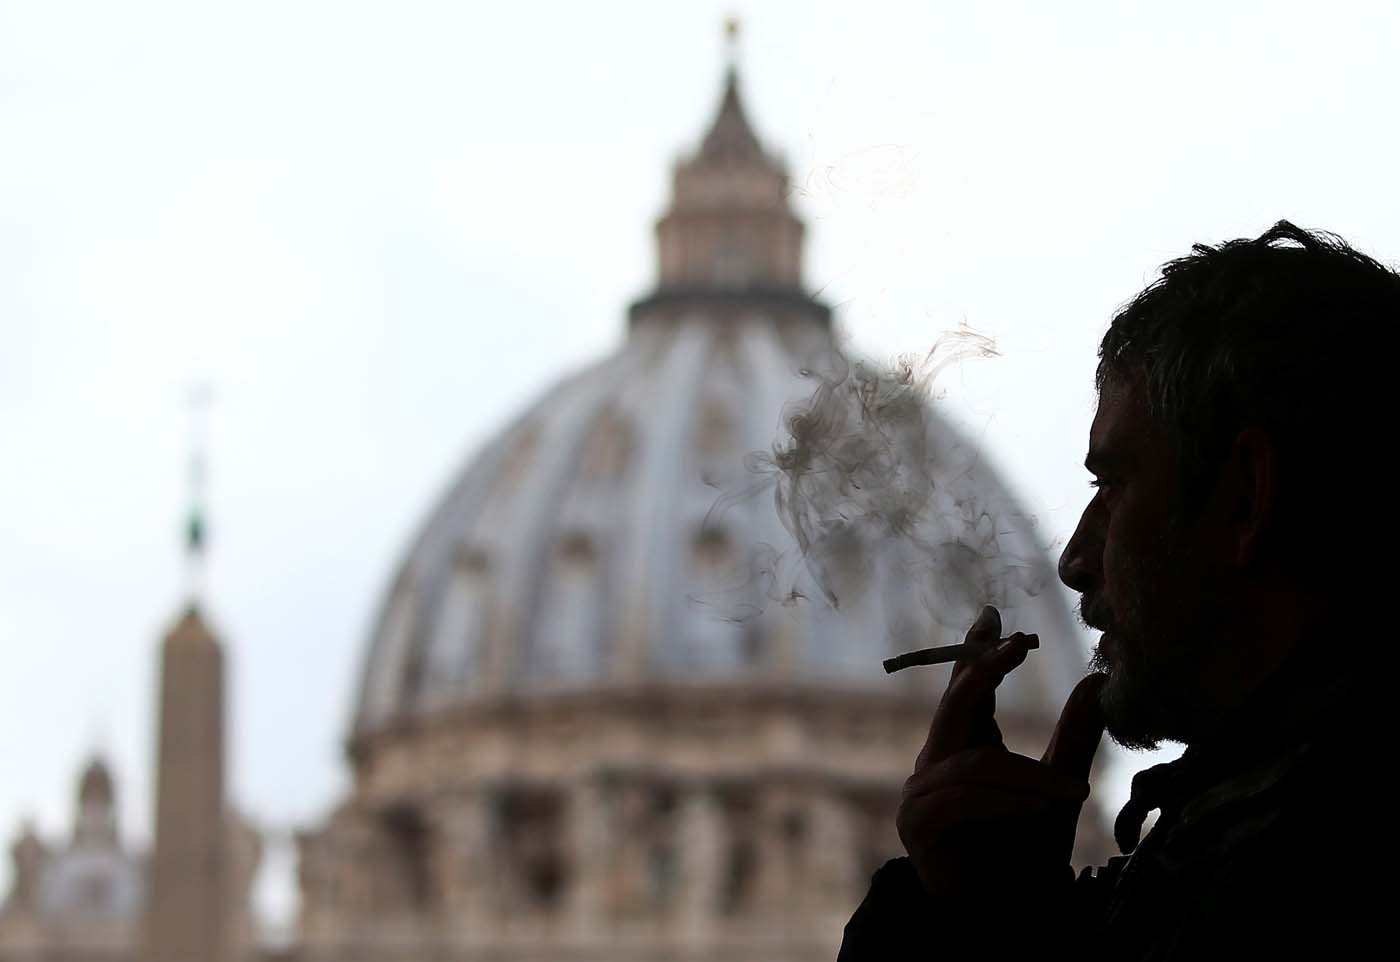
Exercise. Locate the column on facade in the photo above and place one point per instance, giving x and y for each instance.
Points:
(630, 889)
(462, 870)
(831, 864)
(781, 833)
(589, 840)
(357, 865)
(702, 855)
(334, 878)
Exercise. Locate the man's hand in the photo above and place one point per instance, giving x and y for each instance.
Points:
(977, 820)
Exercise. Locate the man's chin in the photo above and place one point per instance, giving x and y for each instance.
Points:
(1128, 718)
(1126, 735)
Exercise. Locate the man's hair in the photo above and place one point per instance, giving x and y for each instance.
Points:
(1287, 332)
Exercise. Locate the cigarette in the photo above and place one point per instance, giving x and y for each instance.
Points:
(927, 656)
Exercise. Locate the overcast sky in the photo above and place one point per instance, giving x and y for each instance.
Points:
(381, 229)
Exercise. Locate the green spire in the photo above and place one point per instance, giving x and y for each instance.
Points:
(196, 529)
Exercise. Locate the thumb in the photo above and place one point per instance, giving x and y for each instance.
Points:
(986, 629)
(1079, 731)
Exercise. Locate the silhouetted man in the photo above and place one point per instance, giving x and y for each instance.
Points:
(1231, 556)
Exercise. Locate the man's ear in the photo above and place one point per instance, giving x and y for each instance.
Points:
(1249, 487)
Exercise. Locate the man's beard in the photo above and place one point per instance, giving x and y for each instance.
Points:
(1158, 638)
(1135, 714)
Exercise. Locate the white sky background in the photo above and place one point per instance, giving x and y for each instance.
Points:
(381, 229)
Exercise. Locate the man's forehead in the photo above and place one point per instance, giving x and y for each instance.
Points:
(1120, 421)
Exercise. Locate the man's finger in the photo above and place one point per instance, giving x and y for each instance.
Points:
(1079, 730)
(1000, 769)
(984, 633)
(966, 713)
(979, 638)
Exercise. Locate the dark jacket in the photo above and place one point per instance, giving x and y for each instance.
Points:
(1273, 841)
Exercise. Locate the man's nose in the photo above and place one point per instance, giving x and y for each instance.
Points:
(1079, 561)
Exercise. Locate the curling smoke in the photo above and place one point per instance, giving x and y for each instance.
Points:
(864, 475)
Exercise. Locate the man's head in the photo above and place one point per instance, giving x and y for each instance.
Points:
(1232, 428)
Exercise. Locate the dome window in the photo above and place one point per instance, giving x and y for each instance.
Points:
(608, 449)
(516, 463)
(716, 431)
(721, 632)
(712, 552)
(566, 636)
(454, 650)
(576, 549)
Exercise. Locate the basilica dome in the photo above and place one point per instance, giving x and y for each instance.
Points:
(579, 548)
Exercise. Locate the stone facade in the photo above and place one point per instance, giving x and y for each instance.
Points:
(716, 824)
(611, 827)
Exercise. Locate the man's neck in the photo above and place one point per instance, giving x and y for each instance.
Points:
(1262, 659)
(1279, 710)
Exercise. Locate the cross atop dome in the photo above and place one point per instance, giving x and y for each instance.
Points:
(730, 135)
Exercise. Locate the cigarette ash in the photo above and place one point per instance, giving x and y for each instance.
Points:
(864, 476)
